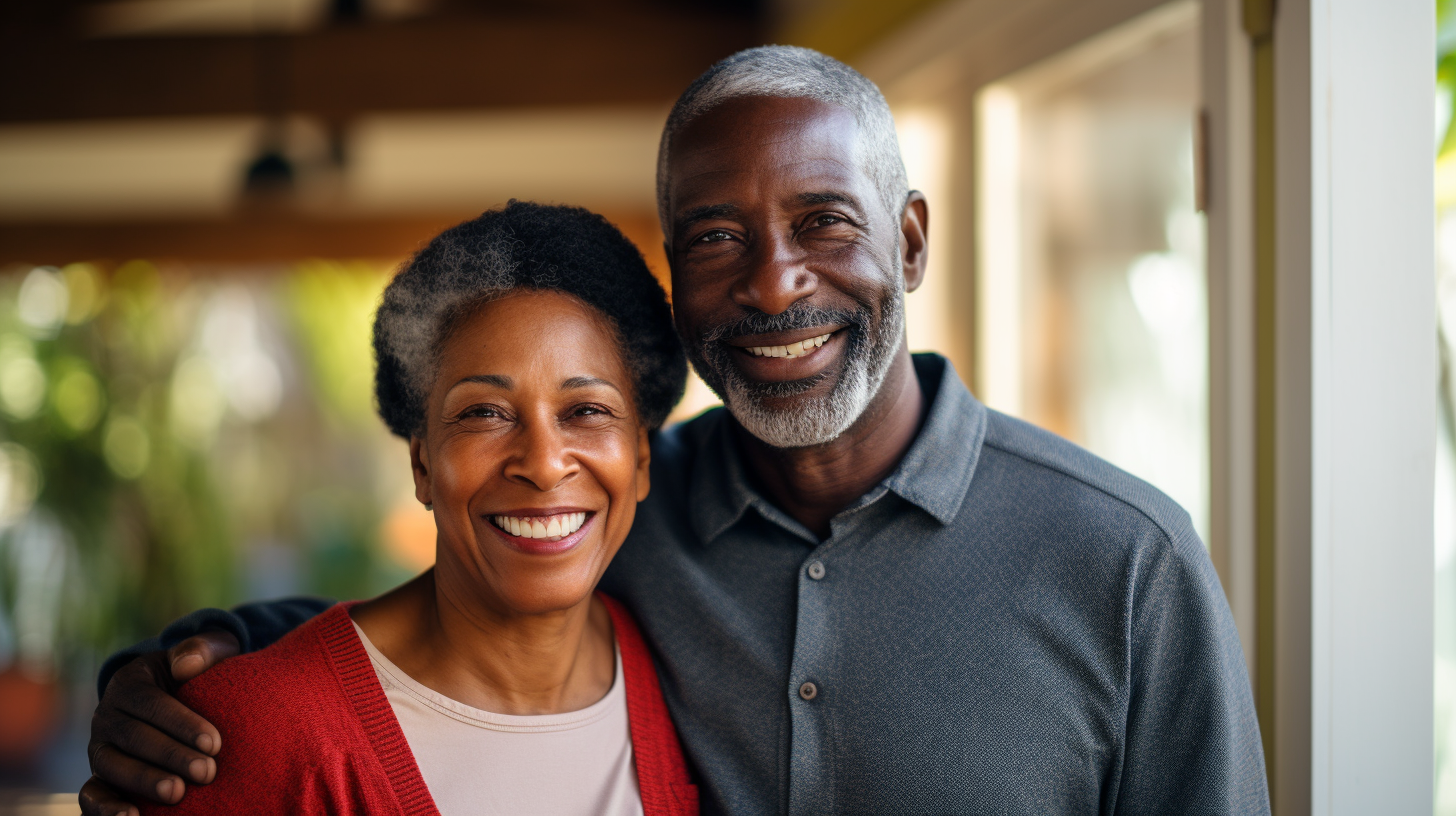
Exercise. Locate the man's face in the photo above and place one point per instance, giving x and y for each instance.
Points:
(787, 288)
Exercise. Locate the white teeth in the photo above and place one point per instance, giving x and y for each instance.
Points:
(561, 524)
(798, 349)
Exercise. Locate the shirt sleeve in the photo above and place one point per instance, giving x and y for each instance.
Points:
(255, 625)
(1192, 743)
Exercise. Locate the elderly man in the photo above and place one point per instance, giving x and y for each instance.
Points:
(867, 592)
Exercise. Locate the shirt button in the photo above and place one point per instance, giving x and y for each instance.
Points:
(808, 691)
(816, 569)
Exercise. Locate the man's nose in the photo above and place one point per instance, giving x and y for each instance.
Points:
(542, 457)
(777, 277)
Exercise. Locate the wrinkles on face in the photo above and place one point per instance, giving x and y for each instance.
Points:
(778, 233)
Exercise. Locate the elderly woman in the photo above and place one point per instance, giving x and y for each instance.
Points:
(525, 355)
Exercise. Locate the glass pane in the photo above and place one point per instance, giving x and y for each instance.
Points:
(1092, 298)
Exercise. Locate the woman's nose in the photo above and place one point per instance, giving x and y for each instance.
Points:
(542, 457)
(776, 278)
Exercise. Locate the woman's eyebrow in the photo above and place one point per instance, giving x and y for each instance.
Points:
(497, 380)
(587, 382)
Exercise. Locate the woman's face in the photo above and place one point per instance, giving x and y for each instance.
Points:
(533, 455)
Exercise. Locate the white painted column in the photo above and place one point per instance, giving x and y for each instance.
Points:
(1228, 104)
(1356, 405)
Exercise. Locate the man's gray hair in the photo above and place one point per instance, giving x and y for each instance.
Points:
(796, 73)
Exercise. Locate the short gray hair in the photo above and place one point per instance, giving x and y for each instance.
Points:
(787, 71)
(531, 247)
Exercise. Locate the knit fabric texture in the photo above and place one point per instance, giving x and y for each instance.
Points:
(307, 728)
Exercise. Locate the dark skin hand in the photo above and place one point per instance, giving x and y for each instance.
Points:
(139, 717)
(769, 206)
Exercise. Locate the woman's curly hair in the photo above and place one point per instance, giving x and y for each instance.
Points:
(530, 246)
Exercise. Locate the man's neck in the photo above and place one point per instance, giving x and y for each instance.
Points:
(814, 484)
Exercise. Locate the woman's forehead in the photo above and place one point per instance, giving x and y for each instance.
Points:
(525, 331)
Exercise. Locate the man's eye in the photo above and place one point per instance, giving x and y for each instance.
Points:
(828, 220)
(713, 236)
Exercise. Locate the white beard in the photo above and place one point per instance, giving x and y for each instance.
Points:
(818, 420)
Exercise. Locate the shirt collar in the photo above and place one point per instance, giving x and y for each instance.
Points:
(934, 474)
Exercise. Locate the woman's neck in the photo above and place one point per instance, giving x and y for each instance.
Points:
(444, 636)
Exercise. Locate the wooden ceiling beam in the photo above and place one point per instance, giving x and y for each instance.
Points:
(264, 238)
(340, 72)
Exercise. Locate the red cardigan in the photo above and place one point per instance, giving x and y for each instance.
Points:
(306, 728)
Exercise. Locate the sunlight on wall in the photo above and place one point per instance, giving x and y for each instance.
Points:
(998, 229)
(925, 145)
(1091, 303)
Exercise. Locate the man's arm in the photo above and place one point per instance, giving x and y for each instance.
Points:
(143, 742)
(1192, 742)
(254, 625)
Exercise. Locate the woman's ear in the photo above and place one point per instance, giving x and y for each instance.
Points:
(420, 467)
(644, 464)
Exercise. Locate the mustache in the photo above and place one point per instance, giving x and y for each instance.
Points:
(798, 316)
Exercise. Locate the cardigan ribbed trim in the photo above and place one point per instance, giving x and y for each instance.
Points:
(362, 689)
(662, 775)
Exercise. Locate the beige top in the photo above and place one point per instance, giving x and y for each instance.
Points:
(477, 762)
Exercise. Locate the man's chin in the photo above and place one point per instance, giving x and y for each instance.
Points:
(800, 421)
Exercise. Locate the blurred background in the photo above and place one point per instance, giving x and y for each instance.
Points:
(201, 200)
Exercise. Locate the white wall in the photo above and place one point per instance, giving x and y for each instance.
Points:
(1356, 406)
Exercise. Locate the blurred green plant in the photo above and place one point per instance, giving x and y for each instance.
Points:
(169, 442)
(111, 525)
(1445, 578)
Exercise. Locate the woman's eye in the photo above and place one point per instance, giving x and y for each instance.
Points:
(481, 412)
(591, 412)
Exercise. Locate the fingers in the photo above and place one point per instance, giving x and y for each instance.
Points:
(139, 740)
(136, 693)
(199, 653)
(130, 775)
(98, 799)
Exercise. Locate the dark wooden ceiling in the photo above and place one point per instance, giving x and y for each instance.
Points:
(459, 55)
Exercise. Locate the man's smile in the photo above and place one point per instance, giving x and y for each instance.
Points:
(790, 344)
(787, 356)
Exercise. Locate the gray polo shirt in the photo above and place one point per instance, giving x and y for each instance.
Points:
(1006, 625)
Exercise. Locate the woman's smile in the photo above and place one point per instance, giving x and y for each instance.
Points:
(543, 532)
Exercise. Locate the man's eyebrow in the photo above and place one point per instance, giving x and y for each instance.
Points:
(828, 197)
(587, 382)
(704, 213)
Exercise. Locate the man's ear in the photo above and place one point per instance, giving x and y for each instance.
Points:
(420, 467)
(914, 233)
(671, 262)
(644, 465)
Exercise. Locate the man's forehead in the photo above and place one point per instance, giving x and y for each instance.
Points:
(766, 135)
(731, 122)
